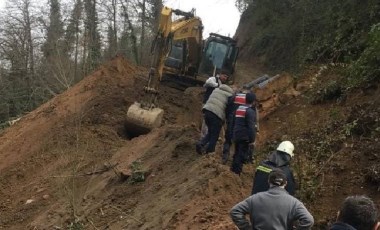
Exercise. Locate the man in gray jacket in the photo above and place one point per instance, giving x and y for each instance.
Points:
(274, 209)
(214, 112)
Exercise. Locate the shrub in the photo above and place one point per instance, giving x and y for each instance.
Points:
(366, 68)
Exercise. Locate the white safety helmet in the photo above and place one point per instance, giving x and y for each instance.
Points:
(287, 147)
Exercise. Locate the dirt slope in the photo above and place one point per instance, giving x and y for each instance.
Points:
(60, 165)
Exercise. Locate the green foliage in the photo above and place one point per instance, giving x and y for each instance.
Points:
(54, 45)
(76, 225)
(73, 26)
(334, 114)
(331, 91)
(138, 175)
(348, 128)
(366, 68)
(288, 34)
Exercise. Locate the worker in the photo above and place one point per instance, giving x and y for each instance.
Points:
(214, 82)
(244, 132)
(214, 112)
(235, 101)
(357, 212)
(274, 209)
(211, 84)
(278, 159)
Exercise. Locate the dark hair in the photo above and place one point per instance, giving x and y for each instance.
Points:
(277, 177)
(250, 98)
(224, 72)
(358, 211)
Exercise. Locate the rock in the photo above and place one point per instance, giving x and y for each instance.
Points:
(29, 201)
(46, 196)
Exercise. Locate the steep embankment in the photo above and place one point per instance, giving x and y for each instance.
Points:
(336, 136)
(66, 164)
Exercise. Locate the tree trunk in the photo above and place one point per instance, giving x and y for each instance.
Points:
(142, 42)
(132, 33)
(114, 15)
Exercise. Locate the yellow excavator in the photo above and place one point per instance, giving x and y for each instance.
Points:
(177, 51)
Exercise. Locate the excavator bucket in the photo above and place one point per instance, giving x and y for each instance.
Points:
(141, 121)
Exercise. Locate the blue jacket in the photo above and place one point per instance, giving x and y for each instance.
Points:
(234, 102)
(244, 125)
(279, 160)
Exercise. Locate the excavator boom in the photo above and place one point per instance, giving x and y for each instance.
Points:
(184, 35)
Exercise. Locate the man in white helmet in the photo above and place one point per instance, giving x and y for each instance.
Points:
(279, 159)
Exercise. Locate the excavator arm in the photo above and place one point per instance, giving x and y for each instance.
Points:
(146, 115)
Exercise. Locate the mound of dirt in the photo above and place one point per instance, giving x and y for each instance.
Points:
(66, 164)
(71, 164)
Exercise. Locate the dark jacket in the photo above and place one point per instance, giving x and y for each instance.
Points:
(274, 209)
(234, 102)
(341, 226)
(276, 159)
(244, 128)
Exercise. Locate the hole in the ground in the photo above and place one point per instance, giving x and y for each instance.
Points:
(131, 130)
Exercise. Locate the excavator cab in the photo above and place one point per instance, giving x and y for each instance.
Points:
(175, 58)
(219, 52)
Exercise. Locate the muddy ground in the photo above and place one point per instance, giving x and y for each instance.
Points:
(66, 164)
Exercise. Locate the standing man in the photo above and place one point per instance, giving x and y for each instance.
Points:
(274, 209)
(214, 112)
(211, 84)
(278, 159)
(234, 102)
(244, 132)
(357, 212)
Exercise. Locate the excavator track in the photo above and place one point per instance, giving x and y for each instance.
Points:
(180, 82)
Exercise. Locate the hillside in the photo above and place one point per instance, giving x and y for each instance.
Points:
(66, 164)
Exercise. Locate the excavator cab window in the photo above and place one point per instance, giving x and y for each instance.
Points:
(175, 56)
(230, 61)
(217, 52)
(176, 51)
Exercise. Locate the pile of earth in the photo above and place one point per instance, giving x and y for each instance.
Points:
(72, 163)
(68, 164)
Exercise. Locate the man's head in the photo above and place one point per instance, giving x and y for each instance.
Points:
(223, 75)
(277, 178)
(250, 98)
(360, 212)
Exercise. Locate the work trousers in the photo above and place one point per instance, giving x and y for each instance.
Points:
(227, 140)
(214, 125)
(240, 155)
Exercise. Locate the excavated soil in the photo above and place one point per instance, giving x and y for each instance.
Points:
(72, 164)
